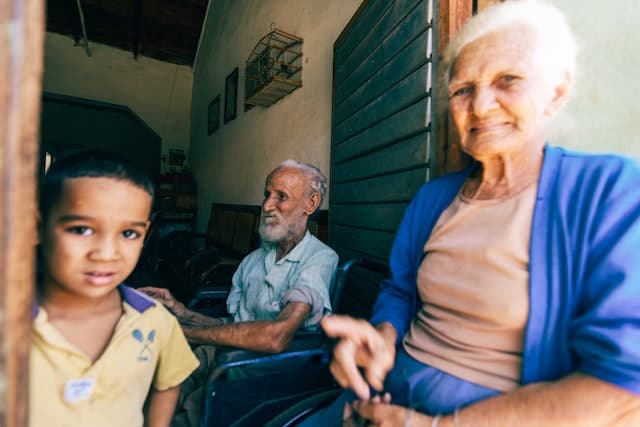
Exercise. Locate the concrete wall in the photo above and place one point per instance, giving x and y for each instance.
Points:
(231, 164)
(158, 92)
(605, 111)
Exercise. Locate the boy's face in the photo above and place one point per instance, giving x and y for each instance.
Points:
(93, 236)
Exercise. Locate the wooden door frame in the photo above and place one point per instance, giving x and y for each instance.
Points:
(452, 14)
(449, 157)
(21, 65)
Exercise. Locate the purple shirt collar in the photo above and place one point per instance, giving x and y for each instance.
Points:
(140, 302)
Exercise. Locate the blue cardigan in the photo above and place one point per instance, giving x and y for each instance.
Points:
(584, 270)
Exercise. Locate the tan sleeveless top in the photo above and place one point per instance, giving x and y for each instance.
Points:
(474, 286)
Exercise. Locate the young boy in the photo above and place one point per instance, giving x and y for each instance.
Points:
(100, 349)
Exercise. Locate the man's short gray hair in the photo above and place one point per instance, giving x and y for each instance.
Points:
(317, 180)
(556, 46)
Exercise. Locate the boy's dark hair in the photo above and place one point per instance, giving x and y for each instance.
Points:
(91, 164)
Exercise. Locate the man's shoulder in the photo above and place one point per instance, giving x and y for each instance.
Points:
(315, 246)
(255, 255)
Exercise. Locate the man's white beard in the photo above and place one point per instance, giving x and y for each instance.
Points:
(277, 229)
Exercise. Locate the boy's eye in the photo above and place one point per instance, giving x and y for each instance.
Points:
(81, 230)
(130, 234)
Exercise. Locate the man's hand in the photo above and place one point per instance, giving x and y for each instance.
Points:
(165, 297)
(361, 345)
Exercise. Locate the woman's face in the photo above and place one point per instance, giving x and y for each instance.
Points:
(498, 97)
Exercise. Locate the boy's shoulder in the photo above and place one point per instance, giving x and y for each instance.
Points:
(147, 317)
(137, 300)
(147, 307)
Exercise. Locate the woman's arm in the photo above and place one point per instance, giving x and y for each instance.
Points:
(161, 406)
(576, 400)
(397, 301)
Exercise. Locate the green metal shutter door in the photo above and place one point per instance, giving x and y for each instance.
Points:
(380, 150)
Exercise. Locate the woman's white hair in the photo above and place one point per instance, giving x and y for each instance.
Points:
(317, 180)
(555, 48)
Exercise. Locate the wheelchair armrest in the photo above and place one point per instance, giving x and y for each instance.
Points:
(223, 264)
(208, 294)
(306, 345)
(210, 301)
(280, 380)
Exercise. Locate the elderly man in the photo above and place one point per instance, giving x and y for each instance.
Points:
(278, 288)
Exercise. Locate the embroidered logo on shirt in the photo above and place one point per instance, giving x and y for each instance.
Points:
(146, 353)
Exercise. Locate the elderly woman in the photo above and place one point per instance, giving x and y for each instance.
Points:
(515, 290)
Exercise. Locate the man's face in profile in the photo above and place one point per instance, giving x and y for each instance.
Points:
(283, 206)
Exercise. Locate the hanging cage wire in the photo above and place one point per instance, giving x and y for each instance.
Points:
(274, 68)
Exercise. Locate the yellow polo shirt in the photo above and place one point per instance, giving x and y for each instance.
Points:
(148, 349)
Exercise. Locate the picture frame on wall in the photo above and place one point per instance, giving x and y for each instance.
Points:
(231, 96)
(213, 115)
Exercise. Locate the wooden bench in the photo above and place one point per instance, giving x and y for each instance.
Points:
(232, 233)
(234, 228)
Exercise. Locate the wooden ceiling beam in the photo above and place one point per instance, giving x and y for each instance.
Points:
(167, 30)
(61, 17)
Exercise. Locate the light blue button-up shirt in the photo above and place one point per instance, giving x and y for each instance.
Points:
(262, 287)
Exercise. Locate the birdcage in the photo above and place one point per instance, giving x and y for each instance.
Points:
(274, 68)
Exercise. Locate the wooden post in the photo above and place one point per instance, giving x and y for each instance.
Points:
(451, 15)
(21, 57)
(482, 4)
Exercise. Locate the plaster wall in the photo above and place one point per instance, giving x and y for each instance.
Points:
(604, 112)
(230, 165)
(158, 92)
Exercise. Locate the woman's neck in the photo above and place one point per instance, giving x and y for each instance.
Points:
(504, 175)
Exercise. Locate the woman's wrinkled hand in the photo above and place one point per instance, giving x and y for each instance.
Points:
(360, 345)
(382, 414)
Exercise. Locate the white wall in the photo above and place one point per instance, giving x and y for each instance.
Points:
(605, 110)
(231, 164)
(158, 92)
